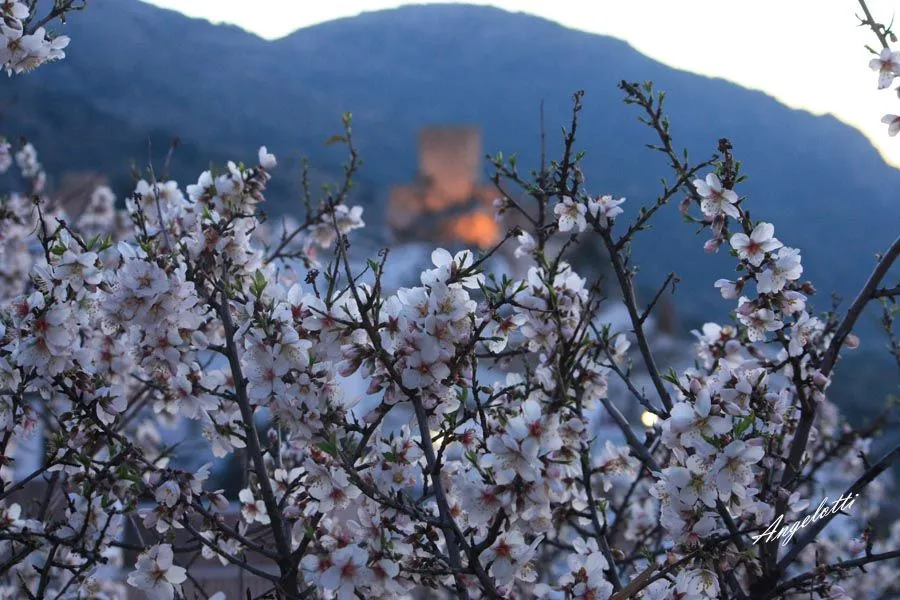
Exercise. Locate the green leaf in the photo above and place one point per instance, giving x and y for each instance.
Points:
(671, 376)
(258, 284)
(329, 446)
(744, 425)
(711, 441)
(462, 395)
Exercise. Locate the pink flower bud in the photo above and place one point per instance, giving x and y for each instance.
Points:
(718, 225)
(218, 502)
(746, 309)
(820, 380)
(371, 417)
(732, 347)
(729, 289)
(712, 245)
(696, 385)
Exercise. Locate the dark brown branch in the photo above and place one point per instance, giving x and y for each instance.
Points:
(827, 569)
(876, 27)
(282, 543)
(855, 310)
(887, 292)
(626, 283)
(865, 479)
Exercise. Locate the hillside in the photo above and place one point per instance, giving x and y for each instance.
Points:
(135, 69)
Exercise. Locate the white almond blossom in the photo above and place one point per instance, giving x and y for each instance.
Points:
(893, 123)
(715, 199)
(604, 208)
(786, 268)
(757, 245)
(347, 571)
(729, 289)
(266, 160)
(508, 557)
(694, 423)
(570, 215)
(156, 575)
(759, 322)
(253, 510)
(887, 63)
(526, 244)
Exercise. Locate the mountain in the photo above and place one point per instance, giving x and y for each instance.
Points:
(93, 141)
(134, 69)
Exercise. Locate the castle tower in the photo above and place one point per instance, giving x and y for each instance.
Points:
(447, 202)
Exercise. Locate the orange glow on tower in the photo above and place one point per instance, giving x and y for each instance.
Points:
(446, 203)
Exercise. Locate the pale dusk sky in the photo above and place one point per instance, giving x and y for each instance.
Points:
(809, 54)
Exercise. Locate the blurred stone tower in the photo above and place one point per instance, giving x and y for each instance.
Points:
(446, 203)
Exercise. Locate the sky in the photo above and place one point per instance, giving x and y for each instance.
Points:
(809, 54)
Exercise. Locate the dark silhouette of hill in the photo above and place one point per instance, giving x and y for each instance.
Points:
(91, 141)
(134, 69)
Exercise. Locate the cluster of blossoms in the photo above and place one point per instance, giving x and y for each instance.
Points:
(157, 575)
(887, 64)
(732, 411)
(19, 219)
(192, 321)
(21, 50)
(484, 455)
(573, 214)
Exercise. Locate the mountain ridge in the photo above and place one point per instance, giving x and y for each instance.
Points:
(822, 183)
